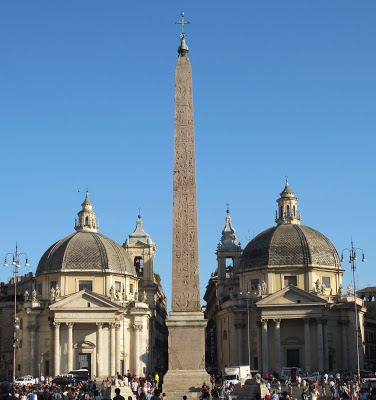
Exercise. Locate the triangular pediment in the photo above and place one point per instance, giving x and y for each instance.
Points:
(291, 296)
(84, 299)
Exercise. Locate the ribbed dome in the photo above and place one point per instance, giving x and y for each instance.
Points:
(86, 251)
(289, 244)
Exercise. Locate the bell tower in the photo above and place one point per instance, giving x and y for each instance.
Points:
(87, 221)
(287, 207)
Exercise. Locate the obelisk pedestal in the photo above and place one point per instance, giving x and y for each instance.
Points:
(186, 353)
(186, 323)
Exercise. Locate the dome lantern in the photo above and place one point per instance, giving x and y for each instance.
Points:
(87, 221)
(288, 207)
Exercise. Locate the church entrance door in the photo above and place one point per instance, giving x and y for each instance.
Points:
(84, 362)
(293, 359)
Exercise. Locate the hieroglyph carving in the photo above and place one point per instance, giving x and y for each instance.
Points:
(185, 272)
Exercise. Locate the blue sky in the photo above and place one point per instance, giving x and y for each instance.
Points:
(280, 87)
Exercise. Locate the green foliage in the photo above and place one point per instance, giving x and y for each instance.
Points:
(157, 277)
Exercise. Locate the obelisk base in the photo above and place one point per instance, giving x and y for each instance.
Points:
(186, 352)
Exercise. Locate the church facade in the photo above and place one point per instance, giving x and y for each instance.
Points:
(95, 304)
(280, 302)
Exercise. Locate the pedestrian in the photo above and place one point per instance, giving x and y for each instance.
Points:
(156, 395)
(118, 396)
(298, 381)
(5, 389)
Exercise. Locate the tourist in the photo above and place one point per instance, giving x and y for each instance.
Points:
(298, 381)
(5, 389)
(156, 395)
(97, 396)
(274, 396)
(118, 396)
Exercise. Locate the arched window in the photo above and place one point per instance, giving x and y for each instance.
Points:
(287, 210)
(280, 212)
(86, 221)
(294, 211)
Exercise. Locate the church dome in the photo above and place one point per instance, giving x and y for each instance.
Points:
(289, 243)
(86, 250)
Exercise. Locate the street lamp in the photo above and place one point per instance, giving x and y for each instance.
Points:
(16, 321)
(352, 261)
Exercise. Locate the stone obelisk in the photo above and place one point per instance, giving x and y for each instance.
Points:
(186, 324)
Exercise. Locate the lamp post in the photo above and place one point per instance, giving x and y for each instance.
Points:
(352, 261)
(16, 321)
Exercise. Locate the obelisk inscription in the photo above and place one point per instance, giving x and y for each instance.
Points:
(185, 273)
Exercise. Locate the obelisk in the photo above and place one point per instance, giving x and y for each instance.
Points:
(186, 324)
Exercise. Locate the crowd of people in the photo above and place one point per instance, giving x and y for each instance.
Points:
(146, 388)
(334, 387)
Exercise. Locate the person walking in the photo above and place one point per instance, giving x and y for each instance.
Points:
(118, 396)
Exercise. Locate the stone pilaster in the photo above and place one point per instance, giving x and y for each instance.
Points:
(242, 358)
(344, 325)
(33, 349)
(320, 346)
(259, 345)
(326, 347)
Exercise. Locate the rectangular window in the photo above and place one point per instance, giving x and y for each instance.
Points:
(290, 280)
(325, 280)
(118, 286)
(40, 288)
(53, 284)
(254, 284)
(85, 285)
(131, 288)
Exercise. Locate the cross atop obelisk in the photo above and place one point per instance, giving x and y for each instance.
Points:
(186, 324)
(182, 22)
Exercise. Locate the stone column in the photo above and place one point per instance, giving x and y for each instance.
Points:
(117, 347)
(265, 346)
(57, 348)
(320, 346)
(344, 325)
(99, 349)
(70, 346)
(137, 330)
(277, 349)
(326, 349)
(112, 349)
(307, 345)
